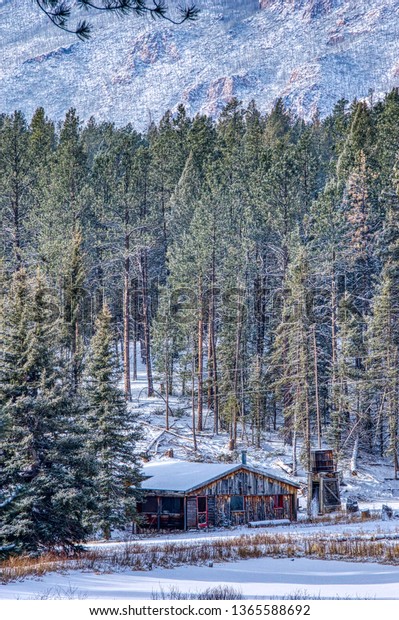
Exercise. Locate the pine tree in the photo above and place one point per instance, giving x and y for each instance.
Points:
(292, 357)
(200, 146)
(359, 138)
(74, 276)
(169, 151)
(63, 208)
(387, 140)
(45, 476)
(350, 419)
(383, 340)
(168, 343)
(119, 186)
(41, 140)
(15, 184)
(383, 335)
(328, 227)
(41, 150)
(112, 434)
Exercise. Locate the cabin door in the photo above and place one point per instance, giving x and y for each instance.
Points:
(202, 512)
(191, 514)
(279, 506)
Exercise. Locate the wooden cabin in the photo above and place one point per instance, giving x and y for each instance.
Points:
(184, 495)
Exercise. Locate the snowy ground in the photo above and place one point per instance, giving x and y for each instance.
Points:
(263, 578)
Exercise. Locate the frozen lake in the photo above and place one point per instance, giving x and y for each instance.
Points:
(264, 578)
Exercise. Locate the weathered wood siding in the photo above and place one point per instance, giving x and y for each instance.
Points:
(261, 495)
(211, 510)
(245, 483)
(256, 508)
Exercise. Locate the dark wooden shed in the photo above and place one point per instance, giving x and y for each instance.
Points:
(184, 495)
(323, 483)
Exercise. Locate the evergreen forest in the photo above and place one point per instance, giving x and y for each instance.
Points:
(251, 262)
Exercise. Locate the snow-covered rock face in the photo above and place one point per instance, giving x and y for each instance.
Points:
(309, 8)
(310, 52)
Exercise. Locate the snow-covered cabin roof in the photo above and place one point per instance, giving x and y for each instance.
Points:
(182, 476)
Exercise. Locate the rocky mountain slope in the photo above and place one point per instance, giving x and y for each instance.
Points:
(310, 52)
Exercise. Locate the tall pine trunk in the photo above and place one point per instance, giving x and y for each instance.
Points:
(212, 342)
(135, 330)
(126, 311)
(316, 387)
(336, 413)
(200, 369)
(146, 320)
(214, 395)
(193, 399)
(237, 374)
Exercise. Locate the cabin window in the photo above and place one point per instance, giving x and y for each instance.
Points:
(202, 504)
(172, 505)
(202, 514)
(150, 505)
(237, 503)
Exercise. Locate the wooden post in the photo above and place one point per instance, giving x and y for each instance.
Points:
(321, 495)
(294, 502)
(310, 494)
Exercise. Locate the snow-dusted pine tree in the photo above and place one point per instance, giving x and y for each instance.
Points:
(45, 474)
(112, 434)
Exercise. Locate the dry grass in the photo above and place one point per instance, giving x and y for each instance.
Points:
(345, 517)
(304, 595)
(218, 593)
(134, 556)
(58, 593)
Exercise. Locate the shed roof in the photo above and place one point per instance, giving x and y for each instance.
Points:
(182, 476)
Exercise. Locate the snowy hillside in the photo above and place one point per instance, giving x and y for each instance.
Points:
(310, 52)
(372, 486)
